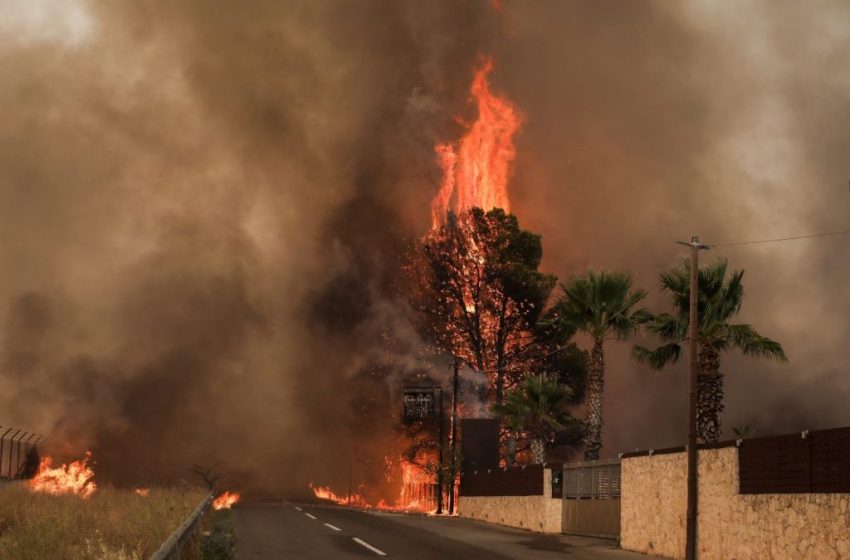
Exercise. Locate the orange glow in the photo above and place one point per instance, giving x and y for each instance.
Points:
(477, 168)
(415, 493)
(143, 492)
(325, 493)
(75, 478)
(226, 500)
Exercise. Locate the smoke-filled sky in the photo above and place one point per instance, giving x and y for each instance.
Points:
(204, 206)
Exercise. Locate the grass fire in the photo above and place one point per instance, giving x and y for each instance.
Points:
(74, 478)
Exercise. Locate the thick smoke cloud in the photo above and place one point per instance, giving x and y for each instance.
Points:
(205, 207)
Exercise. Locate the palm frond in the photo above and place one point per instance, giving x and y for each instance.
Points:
(752, 343)
(600, 304)
(660, 357)
(668, 327)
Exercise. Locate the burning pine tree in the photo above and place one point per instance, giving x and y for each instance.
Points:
(478, 284)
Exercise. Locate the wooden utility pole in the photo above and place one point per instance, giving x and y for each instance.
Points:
(440, 464)
(693, 337)
(453, 449)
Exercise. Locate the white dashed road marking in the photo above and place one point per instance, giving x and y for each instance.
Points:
(334, 527)
(298, 508)
(363, 543)
(310, 515)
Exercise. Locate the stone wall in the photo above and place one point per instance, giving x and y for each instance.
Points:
(536, 513)
(731, 526)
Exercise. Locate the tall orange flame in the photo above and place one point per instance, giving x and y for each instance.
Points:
(477, 168)
(75, 478)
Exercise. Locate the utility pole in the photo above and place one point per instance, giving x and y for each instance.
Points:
(693, 327)
(453, 449)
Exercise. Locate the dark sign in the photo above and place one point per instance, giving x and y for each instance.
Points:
(479, 443)
(419, 404)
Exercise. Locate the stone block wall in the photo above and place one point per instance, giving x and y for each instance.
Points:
(535, 513)
(731, 526)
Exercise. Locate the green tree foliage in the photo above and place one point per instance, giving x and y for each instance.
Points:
(538, 411)
(477, 280)
(604, 306)
(719, 300)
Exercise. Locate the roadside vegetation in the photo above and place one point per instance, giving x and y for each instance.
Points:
(218, 541)
(111, 524)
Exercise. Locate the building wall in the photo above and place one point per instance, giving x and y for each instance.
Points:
(535, 513)
(731, 526)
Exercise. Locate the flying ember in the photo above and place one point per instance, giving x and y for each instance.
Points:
(226, 500)
(477, 168)
(75, 478)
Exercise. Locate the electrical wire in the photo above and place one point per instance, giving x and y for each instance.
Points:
(778, 239)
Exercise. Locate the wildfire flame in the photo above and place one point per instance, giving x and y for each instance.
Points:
(75, 478)
(412, 496)
(477, 168)
(143, 492)
(475, 174)
(225, 500)
(325, 493)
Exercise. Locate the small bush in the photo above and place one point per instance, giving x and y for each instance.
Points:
(218, 541)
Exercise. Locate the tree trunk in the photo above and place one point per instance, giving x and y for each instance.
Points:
(709, 395)
(538, 452)
(595, 388)
(510, 455)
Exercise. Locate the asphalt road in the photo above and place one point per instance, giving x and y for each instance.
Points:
(279, 531)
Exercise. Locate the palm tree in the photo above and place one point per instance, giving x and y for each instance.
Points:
(539, 409)
(601, 305)
(719, 300)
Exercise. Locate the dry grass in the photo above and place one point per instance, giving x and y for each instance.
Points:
(112, 524)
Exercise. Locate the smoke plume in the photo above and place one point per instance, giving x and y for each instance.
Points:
(205, 208)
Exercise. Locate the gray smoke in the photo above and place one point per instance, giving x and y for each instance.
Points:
(205, 208)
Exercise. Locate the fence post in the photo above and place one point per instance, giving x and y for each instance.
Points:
(2, 442)
(808, 455)
(27, 447)
(11, 443)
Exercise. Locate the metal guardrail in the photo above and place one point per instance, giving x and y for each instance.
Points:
(172, 546)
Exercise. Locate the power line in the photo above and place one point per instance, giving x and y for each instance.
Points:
(778, 239)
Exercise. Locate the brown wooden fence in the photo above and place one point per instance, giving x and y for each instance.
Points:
(516, 481)
(816, 461)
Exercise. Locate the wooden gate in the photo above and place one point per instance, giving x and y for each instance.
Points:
(591, 498)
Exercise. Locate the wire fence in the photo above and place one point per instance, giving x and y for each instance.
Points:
(15, 445)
